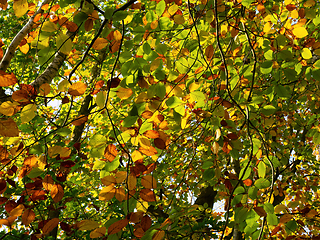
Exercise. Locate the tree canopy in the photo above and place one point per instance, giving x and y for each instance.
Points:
(138, 119)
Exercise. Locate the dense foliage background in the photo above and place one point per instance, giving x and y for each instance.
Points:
(136, 120)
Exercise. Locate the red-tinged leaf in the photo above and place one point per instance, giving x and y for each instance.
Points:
(3, 185)
(80, 120)
(146, 222)
(21, 96)
(147, 195)
(260, 211)
(50, 225)
(3, 200)
(110, 152)
(67, 164)
(158, 235)
(285, 218)
(65, 100)
(275, 230)
(228, 184)
(136, 216)
(10, 205)
(224, 123)
(294, 237)
(57, 193)
(7, 79)
(65, 227)
(8, 128)
(159, 143)
(232, 136)
(151, 134)
(247, 182)
(114, 82)
(149, 181)
(117, 226)
(28, 216)
(38, 195)
(97, 87)
(77, 89)
(291, 7)
(88, 25)
(138, 232)
(71, 26)
(30, 90)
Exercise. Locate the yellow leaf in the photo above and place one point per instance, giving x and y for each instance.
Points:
(300, 32)
(306, 53)
(100, 43)
(172, 9)
(20, 7)
(64, 43)
(28, 113)
(24, 48)
(136, 155)
(88, 225)
(267, 27)
(17, 211)
(309, 3)
(99, 232)
(101, 99)
(124, 93)
(77, 89)
(7, 108)
(107, 193)
(49, 26)
(63, 85)
(178, 19)
(117, 35)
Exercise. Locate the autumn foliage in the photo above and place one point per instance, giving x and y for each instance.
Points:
(163, 119)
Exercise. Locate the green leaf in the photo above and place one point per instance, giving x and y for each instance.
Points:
(35, 172)
(161, 6)
(119, 15)
(129, 121)
(252, 192)
(245, 173)
(239, 190)
(268, 110)
(268, 207)
(64, 43)
(262, 169)
(98, 165)
(272, 219)
(173, 102)
(111, 166)
(63, 132)
(208, 174)
(262, 183)
(97, 140)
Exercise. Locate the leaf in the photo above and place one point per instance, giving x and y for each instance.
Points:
(88, 225)
(57, 192)
(285, 218)
(161, 6)
(100, 43)
(306, 53)
(17, 211)
(20, 7)
(77, 89)
(117, 226)
(107, 193)
(110, 152)
(28, 113)
(49, 26)
(64, 44)
(272, 219)
(149, 181)
(124, 93)
(147, 195)
(7, 79)
(50, 225)
(158, 235)
(300, 32)
(28, 216)
(80, 120)
(117, 35)
(8, 128)
(48, 182)
(45, 89)
(99, 232)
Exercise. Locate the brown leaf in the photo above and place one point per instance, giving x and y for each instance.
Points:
(120, 194)
(88, 225)
(99, 232)
(107, 193)
(57, 193)
(28, 216)
(260, 211)
(148, 181)
(8, 128)
(7, 79)
(88, 25)
(100, 43)
(285, 218)
(47, 182)
(147, 114)
(132, 182)
(50, 225)
(80, 120)
(159, 143)
(77, 89)
(110, 152)
(17, 211)
(146, 222)
(3, 186)
(117, 226)
(147, 195)
(158, 235)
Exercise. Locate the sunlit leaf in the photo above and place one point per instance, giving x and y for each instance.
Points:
(77, 89)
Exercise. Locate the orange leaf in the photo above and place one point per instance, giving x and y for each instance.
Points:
(117, 35)
(8, 222)
(148, 182)
(147, 114)
(17, 211)
(80, 120)
(107, 193)
(108, 180)
(45, 89)
(8, 128)
(50, 225)
(248, 182)
(110, 152)
(100, 43)
(120, 176)
(149, 152)
(285, 218)
(151, 134)
(120, 194)
(77, 89)
(209, 52)
(147, 195)
(47, 182)
(3, 186)
(124, 93)
(21, 96)
(117, 226)
(260, 211)
(57, 193)
(28, 216)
